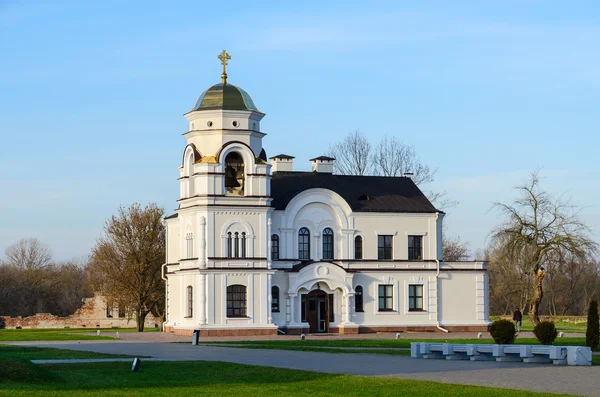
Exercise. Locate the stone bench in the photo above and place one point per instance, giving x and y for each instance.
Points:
(559, 355)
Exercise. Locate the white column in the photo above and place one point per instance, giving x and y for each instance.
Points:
(288, 313)
(202, 299)
(269, 297)
(251, 299)
(269, 258)
(201, 243)
(292, 309)
(348, 309)
(316, 251)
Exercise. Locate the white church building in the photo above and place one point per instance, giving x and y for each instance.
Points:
(257, 248)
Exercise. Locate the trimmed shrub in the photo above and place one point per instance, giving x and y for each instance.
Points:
(592, 333)
(545, 332)
(503, 332)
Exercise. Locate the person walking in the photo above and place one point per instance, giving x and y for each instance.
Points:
(518, 318)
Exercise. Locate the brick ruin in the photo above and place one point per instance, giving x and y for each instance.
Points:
(95, 313)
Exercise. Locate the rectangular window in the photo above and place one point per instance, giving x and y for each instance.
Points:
(415, 298)
(384, 247)
(415, 248)
(275, 299)
(236, 301)
(386, 297)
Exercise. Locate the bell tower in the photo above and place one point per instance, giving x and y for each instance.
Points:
(218, 240)
(224, 154)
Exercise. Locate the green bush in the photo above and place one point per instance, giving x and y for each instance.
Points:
(503, 332)
(592, 333)
(545, 332)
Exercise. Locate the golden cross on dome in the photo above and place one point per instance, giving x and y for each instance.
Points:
(224, 57)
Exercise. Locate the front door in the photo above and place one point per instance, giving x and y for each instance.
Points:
(317, 311)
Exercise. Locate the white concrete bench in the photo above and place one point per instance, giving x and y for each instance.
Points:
(559, 355)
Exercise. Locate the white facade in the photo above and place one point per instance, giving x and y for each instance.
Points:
(237, 265)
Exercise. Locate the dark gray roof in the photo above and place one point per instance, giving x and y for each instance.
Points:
(362, 193)
(283, 156)
(171, 216)
(323, 158)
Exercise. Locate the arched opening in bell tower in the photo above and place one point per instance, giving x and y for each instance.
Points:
(234, 174)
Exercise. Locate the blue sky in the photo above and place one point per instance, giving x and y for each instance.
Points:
(92, 96)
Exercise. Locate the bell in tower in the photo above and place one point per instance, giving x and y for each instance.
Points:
(234, 174)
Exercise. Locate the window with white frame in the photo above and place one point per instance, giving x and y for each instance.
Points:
(274, 247)
(304, 244)
(328, 244)
(243, 245)
(386, 297)
(236, 245)
(415, 248)
(384, 247)
(275, 299)
(415, 297)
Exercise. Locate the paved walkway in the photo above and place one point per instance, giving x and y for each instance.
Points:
(543, 378)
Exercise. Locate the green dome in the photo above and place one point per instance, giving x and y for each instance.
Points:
(225, 96)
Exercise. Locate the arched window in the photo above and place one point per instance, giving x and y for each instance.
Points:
(327, 243)
(189, 242)
(358, 299)
(358, 252)
(275, 299)
(190, 301)
(234, 174)
(243, 245)
(274, 247)
(304, 244)
(236, 245)
(229, 245)
(236, 301)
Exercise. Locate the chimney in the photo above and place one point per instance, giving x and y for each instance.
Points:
(282, 163)
(323, 164)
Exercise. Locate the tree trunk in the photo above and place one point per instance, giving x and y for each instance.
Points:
(536, 298)
(140, 317)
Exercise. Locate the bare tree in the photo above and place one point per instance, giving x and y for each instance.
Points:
(537, 225)
(454, 250)
(28, 254)
(125, 265)
(353, 155)
(392, 157)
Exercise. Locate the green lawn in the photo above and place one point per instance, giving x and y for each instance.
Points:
(387, 343)
(12, 353)
(574, 324)
(42, 334)
(216, 379)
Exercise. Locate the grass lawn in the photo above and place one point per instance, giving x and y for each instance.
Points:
(16, 367)
(575, 324)
(176, 378)
(60, 333)
(387, 343)
(13, 353)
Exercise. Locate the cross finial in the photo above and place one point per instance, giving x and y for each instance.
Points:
(224, 57)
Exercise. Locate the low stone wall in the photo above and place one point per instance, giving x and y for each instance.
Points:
(92, 314)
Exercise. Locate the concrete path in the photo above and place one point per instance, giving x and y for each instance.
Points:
(543, 378)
